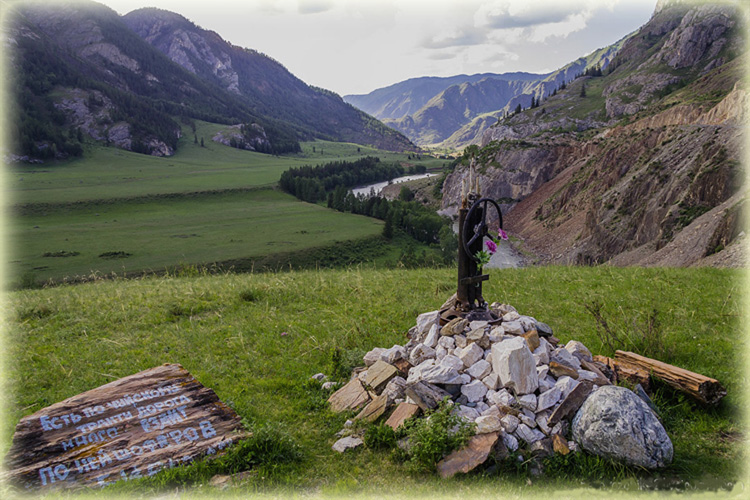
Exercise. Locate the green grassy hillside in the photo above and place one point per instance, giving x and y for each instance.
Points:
(158, 233)
(227, 331)
(142, 213)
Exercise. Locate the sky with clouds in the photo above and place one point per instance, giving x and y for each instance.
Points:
(356, 46)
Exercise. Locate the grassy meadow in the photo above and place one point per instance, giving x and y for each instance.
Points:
(227, 331)
(114, 211)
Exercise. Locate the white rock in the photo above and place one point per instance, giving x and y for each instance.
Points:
(433, 336)
(541, 422)
(513, 362)
(503, 398)
(573, 446)
(462, 379)
(471, 355)
(504, 308)
(474, 391)
(488, 423)
(416, 372)
(479, 370)
(393, 354)
(319, 377)
(510, 442)
(528, 434)
(541, 358)
(362, 376)
(347, 443)
(528, 401)
(528, 417)
(513, 328)
(565, 384)
(563, 356)
(548, 399)
(546, 383)
(510, 423)
(329, 385)
(586, 375)
(527, 322)
(453, 362)
(481, 407)
(558, 428)
(491, 410)
(545, 345)
(447, 342)
(371, 357)
(460, 340)
(579, 350)
(467, 413)
(542, 371)
(496, 334)
(395, 388)
(492, 381)
(475, 325)
(426, 320)
(440, 351)
(510, 316)
(435, 374)
(421, 353)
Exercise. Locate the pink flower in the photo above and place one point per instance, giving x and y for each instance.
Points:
(284, 334)
(491, 246)
(502, 234)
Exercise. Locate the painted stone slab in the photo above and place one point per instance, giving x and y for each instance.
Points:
(130, 428)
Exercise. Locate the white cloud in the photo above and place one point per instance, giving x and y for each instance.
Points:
(314, 6)
(460, 37)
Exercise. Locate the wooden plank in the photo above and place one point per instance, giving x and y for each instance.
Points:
(130, 428)
(705, 389)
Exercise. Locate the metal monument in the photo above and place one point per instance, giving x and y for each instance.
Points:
(473, 225)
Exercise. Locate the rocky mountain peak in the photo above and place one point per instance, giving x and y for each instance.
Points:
(640, 165)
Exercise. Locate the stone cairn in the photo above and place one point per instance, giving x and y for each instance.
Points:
(522, 388)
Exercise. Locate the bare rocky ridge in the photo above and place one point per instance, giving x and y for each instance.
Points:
(583, 185)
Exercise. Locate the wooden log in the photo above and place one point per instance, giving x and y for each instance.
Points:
(130, 428)
(625, 371)
(704, 389)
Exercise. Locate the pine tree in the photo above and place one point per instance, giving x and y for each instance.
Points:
(583, 90)
(388, 228)
(202, 143)
(195, 141)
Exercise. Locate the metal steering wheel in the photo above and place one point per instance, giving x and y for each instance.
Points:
(478, 231)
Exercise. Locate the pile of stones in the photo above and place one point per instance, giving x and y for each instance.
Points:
(516, 381)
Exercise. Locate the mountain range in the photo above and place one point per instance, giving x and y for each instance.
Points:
(453, 112)
(638, 165)
(134, 81)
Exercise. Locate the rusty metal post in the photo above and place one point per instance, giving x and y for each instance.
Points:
(464, 261)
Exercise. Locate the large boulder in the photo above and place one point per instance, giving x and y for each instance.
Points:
(615, 423)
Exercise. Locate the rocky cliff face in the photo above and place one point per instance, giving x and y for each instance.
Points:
(260, 81)
(583, 185)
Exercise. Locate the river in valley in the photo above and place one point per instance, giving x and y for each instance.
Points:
(505, 257)
(378, 186)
